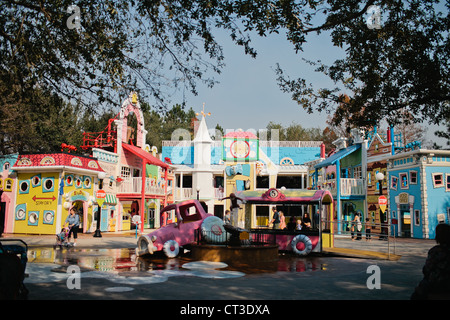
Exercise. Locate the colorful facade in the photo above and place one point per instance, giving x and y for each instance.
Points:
(343, 175)
(48, 185)
(212, 170)
(418, 192)
(38, 189)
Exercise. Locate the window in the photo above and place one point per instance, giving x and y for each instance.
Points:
(357, 173)
(24, 186)
(369, 178)
(8, 183)
(438, 180)
(403, 180)
(48, 185)
(447, 182)
(125, 172)
(289, 182)
(413, 177)
(394, 182)
(262, 182)
(417, 217)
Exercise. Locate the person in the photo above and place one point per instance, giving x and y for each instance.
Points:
(282, 221)
(356, 226)
(306, 223)
(299, 224)
(436, 271)
(368, 230)
(291, 224)
(275, 219)
(234, 208)
(227, 218)
(73, 221)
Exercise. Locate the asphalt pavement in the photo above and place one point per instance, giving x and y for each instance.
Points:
(350, 273)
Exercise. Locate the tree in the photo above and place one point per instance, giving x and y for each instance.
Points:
(38, 123)
(401, 65)
(156, 46)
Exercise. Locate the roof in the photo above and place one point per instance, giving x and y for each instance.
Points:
(144, 155)
(240, 134)
(286, 196)
(337, 156)
(55, 161)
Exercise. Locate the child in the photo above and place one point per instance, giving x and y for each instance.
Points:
(368, 230)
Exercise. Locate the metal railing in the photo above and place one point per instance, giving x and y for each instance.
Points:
(252, 237)
(379, 238)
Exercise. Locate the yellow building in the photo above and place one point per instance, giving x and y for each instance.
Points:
(48, 185)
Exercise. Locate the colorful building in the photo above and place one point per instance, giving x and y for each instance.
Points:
(418, 192)
(48, 185)
(211, 170)
(343, 175)
(38, 189)
(7, 192)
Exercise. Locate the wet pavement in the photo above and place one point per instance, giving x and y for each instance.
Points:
(107, 269)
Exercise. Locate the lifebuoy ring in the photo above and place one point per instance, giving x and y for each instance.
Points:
(305, 240)
(171, 248)
(213, 230)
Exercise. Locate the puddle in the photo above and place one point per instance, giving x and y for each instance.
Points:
(125, 261)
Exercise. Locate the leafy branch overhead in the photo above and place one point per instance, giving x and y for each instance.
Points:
(160, 47)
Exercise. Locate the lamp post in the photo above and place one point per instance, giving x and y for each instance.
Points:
(97, 233)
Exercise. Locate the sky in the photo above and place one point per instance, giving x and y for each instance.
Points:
(247, 95)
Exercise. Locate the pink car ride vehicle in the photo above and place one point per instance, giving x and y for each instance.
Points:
(190, 216)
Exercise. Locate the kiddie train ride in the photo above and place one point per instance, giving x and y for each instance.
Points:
(209, 239)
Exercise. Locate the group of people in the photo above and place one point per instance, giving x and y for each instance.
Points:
(279, 221)
(356, 227)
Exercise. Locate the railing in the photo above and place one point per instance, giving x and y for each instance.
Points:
(361, 239)
(352, 187)
(134, 185)
(183, 193)
(252, 237)
(348, 186)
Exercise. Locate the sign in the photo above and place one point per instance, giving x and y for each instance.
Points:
(382, 203)
(100, 195)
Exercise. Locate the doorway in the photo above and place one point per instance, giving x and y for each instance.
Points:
(405, 220)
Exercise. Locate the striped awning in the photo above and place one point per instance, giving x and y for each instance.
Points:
(111, 199)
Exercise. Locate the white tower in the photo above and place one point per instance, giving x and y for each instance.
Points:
(202, 175)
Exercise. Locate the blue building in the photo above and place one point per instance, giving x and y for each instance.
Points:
(343, 173)
(418, 192)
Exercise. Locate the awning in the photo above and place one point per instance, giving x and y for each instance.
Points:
(111, 199)
(337, 156)
(144, 155)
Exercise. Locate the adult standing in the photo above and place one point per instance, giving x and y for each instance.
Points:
(275, 219)
(73, 222)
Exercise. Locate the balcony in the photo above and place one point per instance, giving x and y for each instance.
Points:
(347, 186)
(352, 187)
(134, 185)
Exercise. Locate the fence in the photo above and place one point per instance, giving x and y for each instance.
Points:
(377, 239)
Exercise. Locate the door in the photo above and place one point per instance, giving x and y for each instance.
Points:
(405, 220)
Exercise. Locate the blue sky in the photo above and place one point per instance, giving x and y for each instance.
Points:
(247, 95)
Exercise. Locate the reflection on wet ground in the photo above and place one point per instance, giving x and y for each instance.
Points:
(125, 260)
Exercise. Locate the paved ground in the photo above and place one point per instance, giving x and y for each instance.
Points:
(336, 276)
